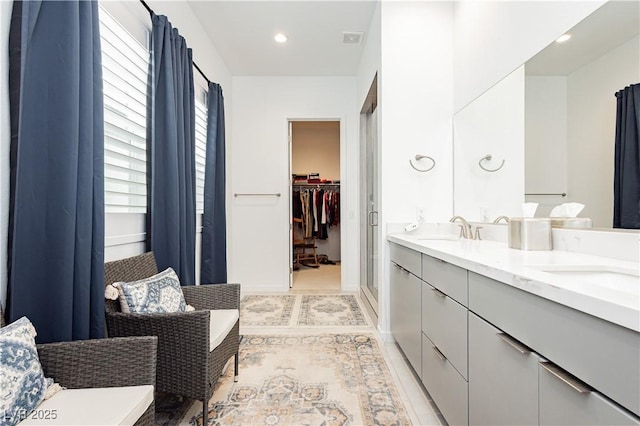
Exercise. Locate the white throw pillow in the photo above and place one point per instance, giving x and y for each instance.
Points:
(160, 293)
(22, 382)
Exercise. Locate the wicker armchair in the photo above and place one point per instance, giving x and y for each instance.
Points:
(185, 365)
(97, 363)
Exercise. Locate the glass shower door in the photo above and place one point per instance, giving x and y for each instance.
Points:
(372, 207)
(369, 203)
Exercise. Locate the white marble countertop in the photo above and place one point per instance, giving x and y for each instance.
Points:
(584, 288)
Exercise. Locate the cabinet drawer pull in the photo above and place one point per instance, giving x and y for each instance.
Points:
(400, 267)
(440, 260)
(514, 343)
(440, 354)
(438, 292)
(567, 378)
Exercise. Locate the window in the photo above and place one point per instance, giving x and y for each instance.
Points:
(125, 68)
(201, 149)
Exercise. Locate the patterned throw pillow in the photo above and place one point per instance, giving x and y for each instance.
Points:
(22, 382)
(160, 293)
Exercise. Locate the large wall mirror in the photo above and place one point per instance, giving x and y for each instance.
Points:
(569, 121)
(570, 111)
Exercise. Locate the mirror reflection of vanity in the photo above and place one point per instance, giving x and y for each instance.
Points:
(553, 123)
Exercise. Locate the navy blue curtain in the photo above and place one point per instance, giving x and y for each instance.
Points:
(214, 219)
(56, 234)
(626, 186)
(172, 205)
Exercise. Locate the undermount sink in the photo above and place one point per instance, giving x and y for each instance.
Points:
(613, 277)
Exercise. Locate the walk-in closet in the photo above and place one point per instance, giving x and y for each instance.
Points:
(315, 205)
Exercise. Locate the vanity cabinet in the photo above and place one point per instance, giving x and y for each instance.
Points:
(491, 353)
(446, 386)
(602, 354)
(565, 400)
(444, 321)
(449, 279)
(503, 377)
(405, 303)
(444, 337)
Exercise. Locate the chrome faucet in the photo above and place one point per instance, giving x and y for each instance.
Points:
(465, 228)
(499, 218)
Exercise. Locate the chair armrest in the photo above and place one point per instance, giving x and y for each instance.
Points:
(101, 363)
(213, 296)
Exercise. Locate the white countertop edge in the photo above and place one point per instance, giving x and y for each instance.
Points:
(505, 267)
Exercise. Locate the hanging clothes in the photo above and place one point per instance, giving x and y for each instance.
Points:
(321, 231)
(319, 209)
(296, 205)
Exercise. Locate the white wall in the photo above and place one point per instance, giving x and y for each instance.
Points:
(316, 148)
(259, 236)
(493, 38)
(491, 124)
(5, 136)
(591, 128)
(416, 109)
(545, 141)
(370, 59)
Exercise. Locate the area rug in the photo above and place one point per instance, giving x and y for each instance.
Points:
(336, 310)
(301, 311)
(266, 310)
(326, 379)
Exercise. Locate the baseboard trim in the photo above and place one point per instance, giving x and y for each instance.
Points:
(385, 335)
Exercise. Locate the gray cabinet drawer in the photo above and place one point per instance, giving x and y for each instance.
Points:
(444, 321)
(407, 258)
(561, 404)
(503, 377)
(405, 313)
(448, 278)
(446, 386)
(600, 353)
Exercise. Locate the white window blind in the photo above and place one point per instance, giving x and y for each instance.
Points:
(201, 150)
(125, 68)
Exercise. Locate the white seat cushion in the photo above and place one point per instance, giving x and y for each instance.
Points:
(94, 406)
(221, 323)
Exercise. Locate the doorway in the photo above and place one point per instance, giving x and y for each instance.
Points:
(370, 245)
(315, 205)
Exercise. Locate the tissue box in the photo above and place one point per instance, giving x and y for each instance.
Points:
(571, 222)
(528, 233)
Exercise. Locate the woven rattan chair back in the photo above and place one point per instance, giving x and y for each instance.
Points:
(129, 269)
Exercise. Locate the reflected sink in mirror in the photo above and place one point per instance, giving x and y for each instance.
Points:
(612, 277)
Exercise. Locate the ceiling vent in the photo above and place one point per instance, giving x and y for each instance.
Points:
(352, 37)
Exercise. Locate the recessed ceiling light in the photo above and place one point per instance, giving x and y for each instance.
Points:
(563, 38)
(280, 38)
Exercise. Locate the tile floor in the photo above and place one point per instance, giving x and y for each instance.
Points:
(418, 403)
(324, 278)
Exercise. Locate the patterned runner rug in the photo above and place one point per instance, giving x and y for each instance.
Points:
(266, 310)
(325, 379)
(301, 310)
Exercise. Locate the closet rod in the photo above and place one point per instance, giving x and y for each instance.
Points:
(151, 12)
